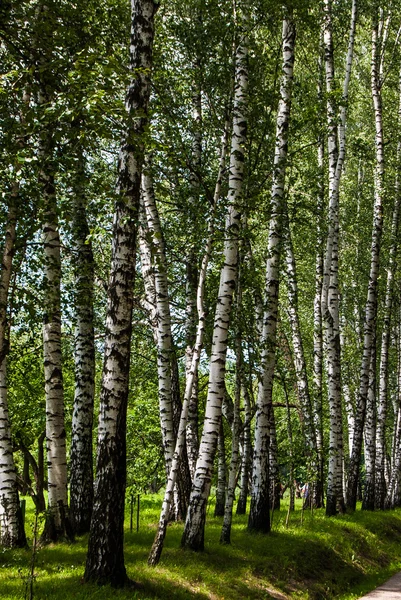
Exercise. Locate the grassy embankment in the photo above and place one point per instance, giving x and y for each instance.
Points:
(314, 557)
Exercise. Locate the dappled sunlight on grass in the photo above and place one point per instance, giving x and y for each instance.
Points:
(315, 557)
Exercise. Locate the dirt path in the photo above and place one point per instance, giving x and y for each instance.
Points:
(391, 590)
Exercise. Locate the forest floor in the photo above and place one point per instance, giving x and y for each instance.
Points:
(314, 557)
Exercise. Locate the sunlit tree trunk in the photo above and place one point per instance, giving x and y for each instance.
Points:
(225, 536)
(12, 534)
(167, 367)
(193, 536)
(368, 502)
(81, 460)
(369, 328)
(259, 519)
(330, 292)
(105, 558)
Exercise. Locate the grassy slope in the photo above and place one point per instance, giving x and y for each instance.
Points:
(341, 557)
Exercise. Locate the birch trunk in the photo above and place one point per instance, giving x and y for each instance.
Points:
(369, 328)
(259, 519)
(81, 463)
(368, 502)
(330, 293)
(193, 536)
(192, 441)
(380, 489)
(167, 367)
(105, 559)
(314, 473)
(57, 522)
(157, 547)
(225, 537)
(246, 459)
(317, 304)
(221, 473)
(12, 533)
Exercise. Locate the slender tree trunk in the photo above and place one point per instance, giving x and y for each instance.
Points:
(12, 533)
(192, 441)
(167, 366)
(193, 536)
(57, 521)
(330, 293)
(105, 559)
(259, 519)
(225, 537)
(317, 304)
(368, 502)
(369, 329)
(157, 547)
(221, 473)
(246, 459)
(380, 484)
(81, 461)
(314, 474)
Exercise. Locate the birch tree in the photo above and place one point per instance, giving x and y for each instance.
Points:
(105, 559)
(193, 536)
(330, 291)
(81, 461)
(12, 533)
(369, 327)
(259, 519)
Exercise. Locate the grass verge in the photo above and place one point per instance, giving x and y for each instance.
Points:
(315, 558)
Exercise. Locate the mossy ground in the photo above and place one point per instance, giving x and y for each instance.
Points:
(315, 557)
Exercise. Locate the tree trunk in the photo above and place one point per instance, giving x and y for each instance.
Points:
(57, 524)
(368, 502)
(330, 293)
(246, 459)
(380, 484)
(369, 328)
(314, 473)
(221, 473)
(12, 533)
(193, 536)
(259, 519)
(81, 461)
(105, 559)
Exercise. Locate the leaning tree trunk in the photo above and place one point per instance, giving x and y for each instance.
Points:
(167, 366)
(259, 519)
(157, 547)
(81, 460)
(369, 328)
(330, 292)
(105, 559)
(12, 533)
(193, 536)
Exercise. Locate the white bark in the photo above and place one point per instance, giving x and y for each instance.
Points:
(105, 559)
(12, 532)
(369, 327)
(259, 512)
(330, 293)
(193, 536)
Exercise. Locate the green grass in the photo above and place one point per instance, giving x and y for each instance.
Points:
(341, 557)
